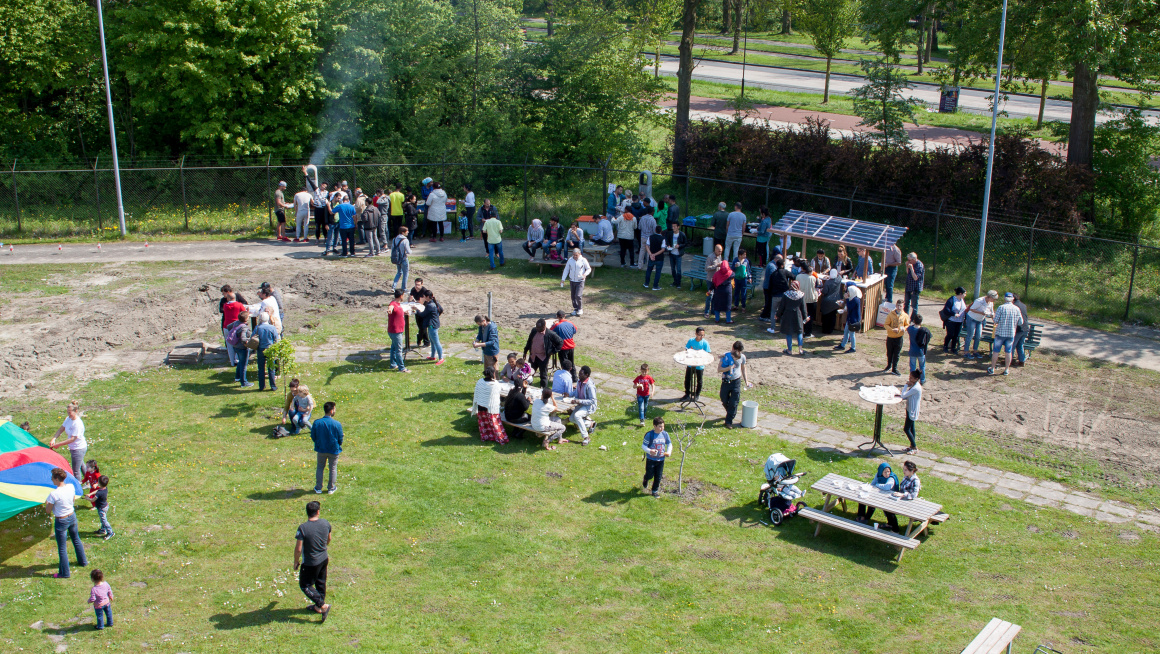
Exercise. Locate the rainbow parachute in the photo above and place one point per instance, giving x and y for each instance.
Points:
(26, 471)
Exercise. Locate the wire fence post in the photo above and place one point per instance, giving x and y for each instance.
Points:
(354, 175)
(97, 188)
(1030, 248)
(16, 195)
(525, 192)
(269, 195)
(184, 204)
(688, 208)
(850, 210)
(767, 183)
(603, 189)
(937, 226)
(1132, 279)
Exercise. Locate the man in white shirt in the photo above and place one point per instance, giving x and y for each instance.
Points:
(302, 214)
(576, 271)
(469, 206)
(59, 505)
(603, 232)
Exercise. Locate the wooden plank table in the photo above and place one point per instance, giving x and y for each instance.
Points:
(995, 638)
(837, 489)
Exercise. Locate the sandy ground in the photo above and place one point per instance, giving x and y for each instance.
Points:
(121, 316)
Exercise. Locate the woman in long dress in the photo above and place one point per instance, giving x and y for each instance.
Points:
(723, 293)
(485, 405)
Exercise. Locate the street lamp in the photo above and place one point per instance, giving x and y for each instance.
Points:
(990, 156)
(112, 128)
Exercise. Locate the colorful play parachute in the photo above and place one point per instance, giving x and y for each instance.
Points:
(26, 471)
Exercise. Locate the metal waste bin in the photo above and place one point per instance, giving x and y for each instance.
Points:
(707, 246)
(749, 414)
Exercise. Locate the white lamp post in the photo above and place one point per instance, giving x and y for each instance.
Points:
(990, 156)
(112, 128)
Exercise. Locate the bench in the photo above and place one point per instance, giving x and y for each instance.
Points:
(595, 254)
(885, 535)
(995, 638)
(561, 263)
(1029, 344)
(696, 272)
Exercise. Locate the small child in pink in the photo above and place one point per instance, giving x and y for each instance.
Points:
(101, 597)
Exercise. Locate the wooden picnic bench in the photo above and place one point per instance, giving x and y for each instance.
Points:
(561, 263)
(837, 489)
(595, 254)
(995, 638)
(1029, 343)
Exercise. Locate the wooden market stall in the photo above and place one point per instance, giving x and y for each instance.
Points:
(875, 237)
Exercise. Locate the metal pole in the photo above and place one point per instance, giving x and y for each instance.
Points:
(16, 195)
(604, 189)
(525, 191)
(1030, 247)
(767, 183)
(97, 188)
(269, 195)
(937, 226)
(990, 155)
(489, 306)
(184, 204)
(112, 124)
(1132, 279)
(688, 209)
(850, 210)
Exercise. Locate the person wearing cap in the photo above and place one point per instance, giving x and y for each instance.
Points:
(981, 309)
(915, 273)
(280, 207)
(891, 259)
(1008, 319)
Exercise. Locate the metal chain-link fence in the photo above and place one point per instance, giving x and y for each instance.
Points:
(1101, 279)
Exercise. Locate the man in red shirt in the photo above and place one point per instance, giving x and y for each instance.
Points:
(230, 310)
(566, 330)
(396, 325)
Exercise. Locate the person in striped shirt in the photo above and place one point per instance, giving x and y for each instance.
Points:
(1008, 318)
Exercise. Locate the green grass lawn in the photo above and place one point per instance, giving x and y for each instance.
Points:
(446, 544)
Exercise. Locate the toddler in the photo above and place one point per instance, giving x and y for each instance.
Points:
(100, 500)
(101, 597)
(92, 476)
(300, 409)
(463, 225)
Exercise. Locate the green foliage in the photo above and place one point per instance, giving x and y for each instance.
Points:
(829, 23)
(885, 23)
(1128, 182)
(283, 353)
(881, 103)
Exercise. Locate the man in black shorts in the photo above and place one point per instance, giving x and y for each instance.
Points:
(280, 207)
(312, 539)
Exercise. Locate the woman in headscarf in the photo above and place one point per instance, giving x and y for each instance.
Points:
(886, 481)
(808, 283)
(485, 406)
(535, 239)
(723, 293)
(791, 313)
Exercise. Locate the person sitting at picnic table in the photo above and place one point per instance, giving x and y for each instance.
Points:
(544, 422)
(485, 407)
(885, 480)
(553, 242)
(516, 405)
(584, 396)
(982, 308)
(723, 293)
(910, 486)
(574, 239)
(562, 380)
(516, 368)
(603, 231)
(535, 240)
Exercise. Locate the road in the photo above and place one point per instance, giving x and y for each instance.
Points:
(783, 79)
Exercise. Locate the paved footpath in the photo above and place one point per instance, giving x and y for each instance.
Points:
(838, 443)
(1079, 341)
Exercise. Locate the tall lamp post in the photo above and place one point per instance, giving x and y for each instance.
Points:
(112, 128)
(990, 156)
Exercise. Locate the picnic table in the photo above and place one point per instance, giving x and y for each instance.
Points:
(837, 489)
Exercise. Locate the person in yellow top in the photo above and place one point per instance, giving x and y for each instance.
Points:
(896, 323)
(493, 230)
(396, 218)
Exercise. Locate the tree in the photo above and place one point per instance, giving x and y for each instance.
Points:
(885, 23)
(685, 440)
(881, 102)
(828, 23)
(684, 85)
(1127, 180)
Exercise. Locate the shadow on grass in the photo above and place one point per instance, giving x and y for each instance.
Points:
(259, 617)
(27, 571)
(222, 383)
(611, 497)
(467, 434)
(16, 541)
(440, 397)
(236, 410)
(278, 495)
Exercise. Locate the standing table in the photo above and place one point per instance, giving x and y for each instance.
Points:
(692, 358)
(879, 396)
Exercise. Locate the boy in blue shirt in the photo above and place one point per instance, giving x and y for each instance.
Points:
(346, 212)
(657, 447)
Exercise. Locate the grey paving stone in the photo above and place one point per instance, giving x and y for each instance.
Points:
(1084, 511)
(1013, 484)
(976, 484)
(1080, 500)
(1150, 517)
(1104, 516)
(1008, 492)
(1052, 485)
(1042, 501)
(1118, 509)
(984, 477)
(944, 476)
(950, 468)
(1047, 493)
(1017, 477)
(957, 462)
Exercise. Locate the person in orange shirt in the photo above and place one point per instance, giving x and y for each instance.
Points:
(896, 323)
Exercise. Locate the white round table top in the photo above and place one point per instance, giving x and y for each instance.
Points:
(880, 394)
(693, 358)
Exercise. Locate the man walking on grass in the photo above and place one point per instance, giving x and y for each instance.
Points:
(326, 432)
(311, 558)
(575, 272)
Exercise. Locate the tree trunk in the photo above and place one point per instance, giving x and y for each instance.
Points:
(1042, 102)
(930, 38)
(657, 59)
(475, 72)
(684, 88)
(826, 92)
(726, 6)
(933, 38)
(551, 15)
(921, 40)
(786, 22)
(738, 18)
(681, 475)
(1085, 99)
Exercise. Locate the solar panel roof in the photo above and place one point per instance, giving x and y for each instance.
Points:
(836, 229)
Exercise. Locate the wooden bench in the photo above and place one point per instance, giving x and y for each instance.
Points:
(885, 535)
(561, 263)
(1029, 343)
(595, 254)
(995, 638)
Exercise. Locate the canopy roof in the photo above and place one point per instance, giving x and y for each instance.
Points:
(836, 229)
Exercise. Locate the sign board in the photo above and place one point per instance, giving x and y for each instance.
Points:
(948, 102)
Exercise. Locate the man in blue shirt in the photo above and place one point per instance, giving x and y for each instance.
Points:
(584, 395)
(695, 375)
(326, 432)
(657, 447)
(267, 336)
(346, 211)
(487, 338)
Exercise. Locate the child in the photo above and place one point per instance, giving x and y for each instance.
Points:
(101, 597)
(644, 385)
(919, 339)
(92, 474)
(300, 409)
(912, 393)
(657, 447)
(291, 393)
(523, 370)
(100, 500)
(740, 278)
(463, 224)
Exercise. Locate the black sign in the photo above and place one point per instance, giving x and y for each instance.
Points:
(948, 102)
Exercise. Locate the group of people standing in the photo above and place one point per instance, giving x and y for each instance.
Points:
(252, 326)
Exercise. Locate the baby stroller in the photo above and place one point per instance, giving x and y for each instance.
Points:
(779, 493)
